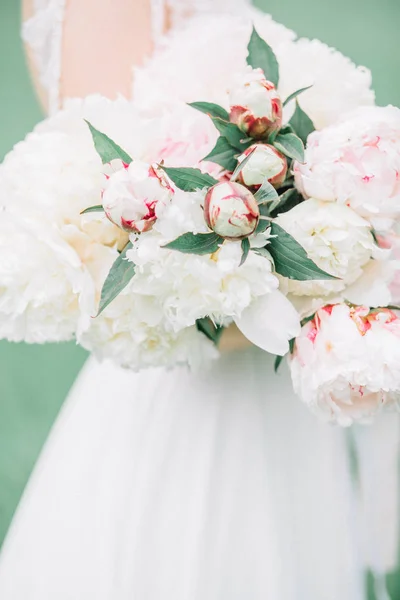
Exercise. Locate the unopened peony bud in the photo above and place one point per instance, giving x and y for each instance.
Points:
(265, 163)
(134, 195)
(256, 107)
(231, 210)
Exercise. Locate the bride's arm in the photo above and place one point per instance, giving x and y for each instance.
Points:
(102, 40)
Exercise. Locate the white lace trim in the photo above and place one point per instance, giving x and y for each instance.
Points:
(43, 33)
(181, 10)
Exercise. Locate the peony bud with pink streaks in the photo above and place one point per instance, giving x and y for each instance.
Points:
(231, 210)
(265, 163)
(256, 107)
(134, 194)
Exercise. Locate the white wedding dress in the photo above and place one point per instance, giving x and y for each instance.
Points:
(216, 486)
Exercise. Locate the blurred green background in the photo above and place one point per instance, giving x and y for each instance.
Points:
(35, 380)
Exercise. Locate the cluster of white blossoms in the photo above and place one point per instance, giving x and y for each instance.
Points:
(345, 364)
(185, 243)
(172, 290)
(51, 285)
(338, 240)
(53, 259)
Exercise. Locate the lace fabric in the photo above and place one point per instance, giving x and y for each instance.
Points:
(180, 10)
(43, 32)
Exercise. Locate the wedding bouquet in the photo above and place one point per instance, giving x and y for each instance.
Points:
(178, 225)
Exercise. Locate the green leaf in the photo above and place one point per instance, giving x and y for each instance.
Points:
(285, 202)
(301, 123)
(106, 148)
(211, 109)
(223, 154)
(290, 145)
(232, 133)
(295, 94)
(97, 208)
(196, 243)
(240, 166)
(266, 193)
(286, 129)
(117, 279)
(307, 319)
(245, 250)
(291, 259)
(212, 331)
(262, 56)
(277, 363)
(264, 221)
(188, 179)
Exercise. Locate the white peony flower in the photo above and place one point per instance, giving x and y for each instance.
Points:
(270, 322)
(255, 105)
(199, 42)
(335, 238)
(265, 163)
(44, 285)
(45, 182)
(357, 162)
(190, 286)
(345, 364)
(134, 334)
(391, 241)
(134, 195)
(231, 210)
(338, 85)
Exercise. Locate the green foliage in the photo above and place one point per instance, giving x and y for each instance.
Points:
(188, 179)
(91, 209)
(295, 94)
(291, 259)
(261, 55)
(117, 279)
(196, 243)
(245, 250)
(212, 331)
(223, 154)
(290, 145)
(106, 148)
(301, 123)
(266, 193)
(211, 109)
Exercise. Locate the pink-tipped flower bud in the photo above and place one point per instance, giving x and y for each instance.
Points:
(231, 210)
(134, 195)
(256, 107)
(265, 162)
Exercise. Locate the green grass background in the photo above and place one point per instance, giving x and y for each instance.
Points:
(34, 380)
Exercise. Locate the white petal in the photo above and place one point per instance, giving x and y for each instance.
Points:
(372, 288)
(270, 322)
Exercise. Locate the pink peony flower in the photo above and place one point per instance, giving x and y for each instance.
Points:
(357, 162)
(345, 364)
